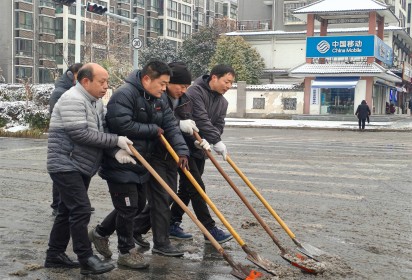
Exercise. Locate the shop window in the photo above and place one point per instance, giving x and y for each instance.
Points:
(289, 103)
(258, 103)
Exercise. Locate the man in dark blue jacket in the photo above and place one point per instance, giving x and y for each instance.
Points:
(135, 110)
(209, 111)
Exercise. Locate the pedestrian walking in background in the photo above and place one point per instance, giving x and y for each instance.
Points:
(363, 112)
(410, 106)
(63, 84)
(157, 212)
(209, 111)
(137, 111)
(75, 149)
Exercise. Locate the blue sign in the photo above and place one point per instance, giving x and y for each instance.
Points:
(340, 46)
(383, 52)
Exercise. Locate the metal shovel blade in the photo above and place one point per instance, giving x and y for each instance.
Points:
(302, 262)
(241, 272)
(261, 262)
(310, 251)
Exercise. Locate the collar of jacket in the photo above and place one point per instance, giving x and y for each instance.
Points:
(84, 91)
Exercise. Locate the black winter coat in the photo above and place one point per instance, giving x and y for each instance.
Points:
(363, 111)
(134, 113)
(183, 111)
(209, 111)
(63, 84)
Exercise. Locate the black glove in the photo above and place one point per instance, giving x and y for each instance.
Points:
(183, 162)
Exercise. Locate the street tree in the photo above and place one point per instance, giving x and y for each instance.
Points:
(158, 48)
(245, 60)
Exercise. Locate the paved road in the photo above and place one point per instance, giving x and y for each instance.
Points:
(348, 193)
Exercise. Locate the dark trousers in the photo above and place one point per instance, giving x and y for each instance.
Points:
(127, 204)
(361, 123)
(187, 192)
(156, 213)
(56, 197)
(73, 216)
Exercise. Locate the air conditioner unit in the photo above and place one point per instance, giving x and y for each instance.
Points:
(21, 53)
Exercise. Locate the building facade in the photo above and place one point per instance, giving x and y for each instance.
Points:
(39, 36)
(287, 34)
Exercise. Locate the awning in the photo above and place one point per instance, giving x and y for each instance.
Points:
(335, 82)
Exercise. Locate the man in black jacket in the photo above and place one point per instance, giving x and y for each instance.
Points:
(209, 111)
(63, 84)
(157, 212)
(135, 110)
(363, 112)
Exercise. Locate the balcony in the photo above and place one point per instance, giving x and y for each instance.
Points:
(254, 25)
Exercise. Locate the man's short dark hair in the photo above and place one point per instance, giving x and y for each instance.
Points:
(85, 71)
(75, 67)
(222, 69)
(156, 68)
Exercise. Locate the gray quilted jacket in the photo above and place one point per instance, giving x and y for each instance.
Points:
(76, 133)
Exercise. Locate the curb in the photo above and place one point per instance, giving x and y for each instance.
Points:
(319, 128)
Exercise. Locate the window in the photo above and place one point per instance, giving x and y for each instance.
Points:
(153, 25)
(123, 1)
(172, 10)
(71, 51)
(59, 54)
(59, 28)
(46, 3)
(59, 9)
(24, 20)
(47, 50)
(186, 13)
(23, 73)
(140, 21)
(288, 17)
(71, 29)
(139, 3)
(24, 47)
(47, 25)
(172, 28)
(124, 13)
(186, 31)
(45, 76)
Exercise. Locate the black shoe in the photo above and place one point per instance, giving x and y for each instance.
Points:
(94, 265)
(167, 250)
(60, 261)
(55, 212)
(92, 209)
(141, 241)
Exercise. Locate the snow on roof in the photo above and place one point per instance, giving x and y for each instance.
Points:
(270, 86)
(303, 32)
(324, 6)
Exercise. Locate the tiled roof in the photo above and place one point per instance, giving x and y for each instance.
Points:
(371, 70)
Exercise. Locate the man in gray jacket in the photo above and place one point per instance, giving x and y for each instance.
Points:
(75, 149)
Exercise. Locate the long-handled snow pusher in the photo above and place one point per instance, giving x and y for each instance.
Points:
(296, 259)
(238, 270)
(251, 255)
(307, 249)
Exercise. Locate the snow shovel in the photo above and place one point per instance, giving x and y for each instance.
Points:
(306, 249)
(238, 270)
(296, 259)
(251, 255)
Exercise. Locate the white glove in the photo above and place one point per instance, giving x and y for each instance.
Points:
(187, 126)
(202, 145)
(123, 157)
(220, 149)
(123, 142)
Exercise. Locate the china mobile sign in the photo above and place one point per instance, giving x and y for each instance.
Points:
(349, 46)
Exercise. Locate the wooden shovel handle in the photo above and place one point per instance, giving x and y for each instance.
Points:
(261, 198)
(177, 199)
(202, 193)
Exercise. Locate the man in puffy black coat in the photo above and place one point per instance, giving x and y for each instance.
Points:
(137, 110)
(63, 84)
(363, 113)
(156, 214)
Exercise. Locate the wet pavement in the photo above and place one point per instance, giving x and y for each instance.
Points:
(345, 192)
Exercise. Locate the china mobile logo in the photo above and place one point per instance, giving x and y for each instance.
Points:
(323, 46)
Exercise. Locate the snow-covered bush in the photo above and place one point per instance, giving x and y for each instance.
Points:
(19, 107)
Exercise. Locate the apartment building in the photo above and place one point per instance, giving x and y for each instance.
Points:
(39, 36)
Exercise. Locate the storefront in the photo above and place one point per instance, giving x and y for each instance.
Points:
(337, 94)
